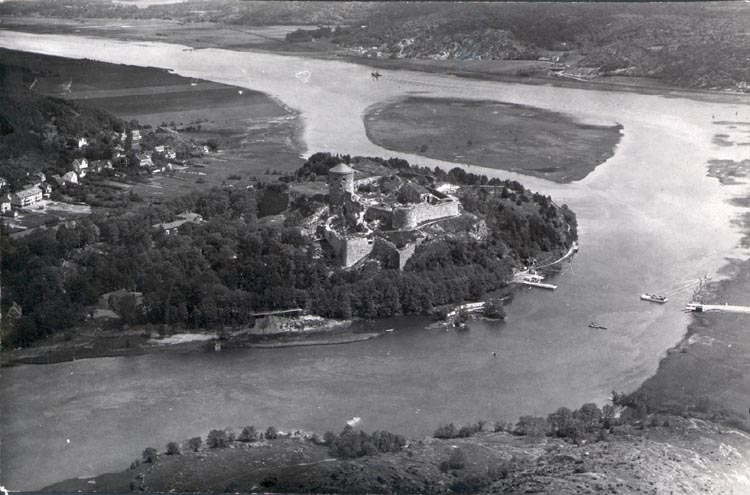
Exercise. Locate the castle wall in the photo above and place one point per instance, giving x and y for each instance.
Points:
(396, 257)
(408, 217)
(349, 250)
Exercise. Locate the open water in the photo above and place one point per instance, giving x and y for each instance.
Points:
(649, 220)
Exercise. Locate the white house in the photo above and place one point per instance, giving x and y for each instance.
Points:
(143, 160)
(80, 166)
(82, 143)
(70, 177)
(46, 189)
(26, 197)
(5, 203)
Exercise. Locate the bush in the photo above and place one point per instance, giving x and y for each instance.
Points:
(248, 434)
(216, 439)
(173, 448)
(272, 433)
(351, 444)
(149, 455)
(457, 460)
(493, 309)
(195, 443)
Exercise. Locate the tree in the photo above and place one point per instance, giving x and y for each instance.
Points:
(216, 439)
(149, 455)
(272, 433)
(195, 443)
(531, 425)
(493, 309)
(561, 422)
(248, 434)
(173, 448)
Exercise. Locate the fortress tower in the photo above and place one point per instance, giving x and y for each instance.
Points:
(340, 182)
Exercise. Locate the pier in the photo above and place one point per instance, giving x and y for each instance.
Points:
(717, 308)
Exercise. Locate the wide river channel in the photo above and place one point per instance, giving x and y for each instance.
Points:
(650, 220)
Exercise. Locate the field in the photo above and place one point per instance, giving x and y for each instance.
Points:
(497, 135)
(195, 34)
(256, 137)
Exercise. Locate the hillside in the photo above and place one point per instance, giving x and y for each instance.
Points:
(699, 45)
(687, 456)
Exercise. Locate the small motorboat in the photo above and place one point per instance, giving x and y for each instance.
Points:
(596, 325)
(390, 330)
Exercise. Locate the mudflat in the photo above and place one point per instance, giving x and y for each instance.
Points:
(517, 138)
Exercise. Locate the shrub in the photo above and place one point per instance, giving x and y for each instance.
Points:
(195, 443)
(173, 448)
(457, 459)
(272, 433)
(149, 455)
(216, 439)
(248, 434)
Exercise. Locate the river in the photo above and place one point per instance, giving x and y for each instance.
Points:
(650, 219)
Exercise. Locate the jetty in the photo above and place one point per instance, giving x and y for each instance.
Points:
(716, 308)
(532, 279)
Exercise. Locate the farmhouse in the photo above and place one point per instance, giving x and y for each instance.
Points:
(183, 218)
(26, 197)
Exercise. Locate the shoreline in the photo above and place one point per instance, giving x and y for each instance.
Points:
(334, 52)
(111, 344)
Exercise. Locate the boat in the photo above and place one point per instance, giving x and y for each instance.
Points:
(390, 330)
(535, 280)
(594, 324)
(654, 298)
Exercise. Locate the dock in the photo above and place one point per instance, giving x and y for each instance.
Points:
(717, 308)
(532, 279)
(540, 285)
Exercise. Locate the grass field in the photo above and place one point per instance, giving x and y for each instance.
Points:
(491, 134)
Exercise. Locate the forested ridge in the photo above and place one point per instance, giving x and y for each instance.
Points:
(218, 272)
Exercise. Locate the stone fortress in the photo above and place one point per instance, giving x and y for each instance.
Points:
(380, 216)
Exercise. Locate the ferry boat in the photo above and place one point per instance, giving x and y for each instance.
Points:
(654, 298)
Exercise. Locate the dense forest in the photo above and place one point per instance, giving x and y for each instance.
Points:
(219, 272)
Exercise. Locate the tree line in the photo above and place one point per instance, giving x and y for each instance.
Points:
(219, 272)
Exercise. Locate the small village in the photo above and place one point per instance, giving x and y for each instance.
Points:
(130, 159)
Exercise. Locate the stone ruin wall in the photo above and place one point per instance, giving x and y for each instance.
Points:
(349, 250)
(408, 217)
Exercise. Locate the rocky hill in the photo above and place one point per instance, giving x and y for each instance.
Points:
(697, 45)
(687, 456)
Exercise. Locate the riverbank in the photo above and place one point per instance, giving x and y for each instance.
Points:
(708, 373)
(271, 39)
(670, 453)
(95, 342)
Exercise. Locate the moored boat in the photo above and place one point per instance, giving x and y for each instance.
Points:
(654, 298)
